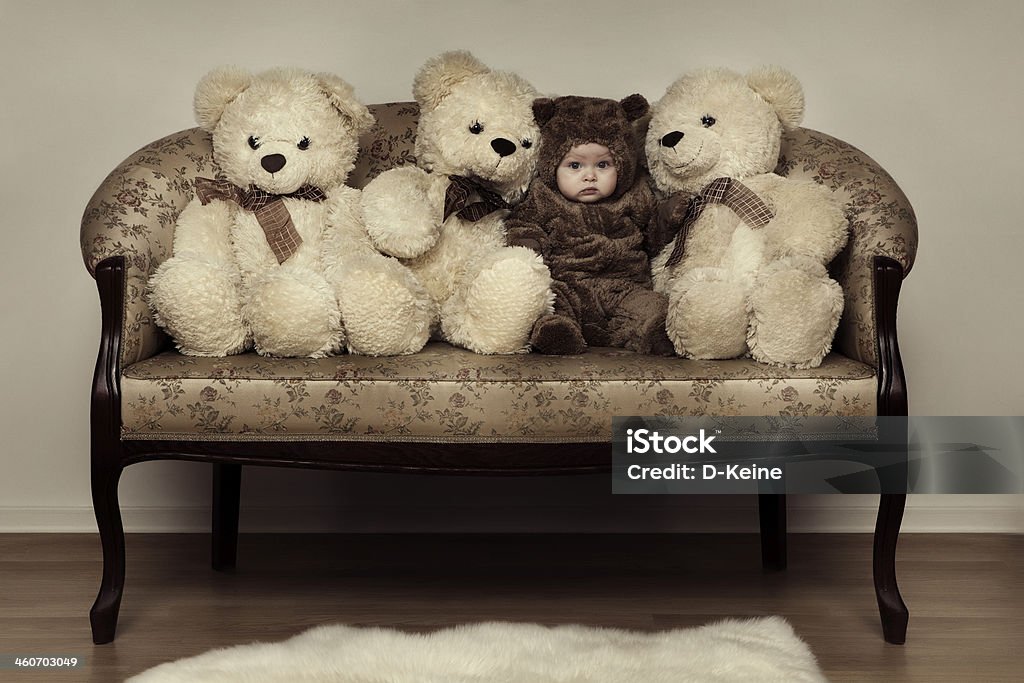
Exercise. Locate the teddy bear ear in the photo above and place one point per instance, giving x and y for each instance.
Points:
(342, 97)
(543, 110)
(439, 75)
(216, 90)
(636, 106)
(782, 91)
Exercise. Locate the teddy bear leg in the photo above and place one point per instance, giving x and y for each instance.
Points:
(707, 316)
(197, 302)
(494, 308)
(795, 309)
(292, 312)
(385, 309)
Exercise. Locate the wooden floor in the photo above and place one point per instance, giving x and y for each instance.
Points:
(965, 593)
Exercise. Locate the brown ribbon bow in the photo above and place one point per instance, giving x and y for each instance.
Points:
(269, 209)
(456, 199)
(733, 194)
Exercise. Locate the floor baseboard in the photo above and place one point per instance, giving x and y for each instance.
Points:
(807, 514)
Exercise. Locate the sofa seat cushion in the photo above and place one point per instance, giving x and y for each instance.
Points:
(445, 394)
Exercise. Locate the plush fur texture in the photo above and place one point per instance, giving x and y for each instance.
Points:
(478, 123)
(223, 290)
(735, 651)
(595, 251)
(740, 290)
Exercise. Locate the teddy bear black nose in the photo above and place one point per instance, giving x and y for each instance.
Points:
(503, 147)
(672, 139)
(272, 163)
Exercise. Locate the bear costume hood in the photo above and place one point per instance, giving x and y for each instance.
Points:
(570, 121)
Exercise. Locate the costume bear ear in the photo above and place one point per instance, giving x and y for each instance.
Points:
(439, 75)
(543, 110)
(216, 90)
(782, 91)
(636, 106)
(342, 97)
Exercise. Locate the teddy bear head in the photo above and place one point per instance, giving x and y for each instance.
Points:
(281, 129)
(715, 122)
(476, 122)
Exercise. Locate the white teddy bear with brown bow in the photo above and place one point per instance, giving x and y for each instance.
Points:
(747, 249)
(476, 150)
(273, 255)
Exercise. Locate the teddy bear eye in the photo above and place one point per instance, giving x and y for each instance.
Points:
(254, 142)
(476, 128)
(303, 144)
(707, 120)
(527, 143)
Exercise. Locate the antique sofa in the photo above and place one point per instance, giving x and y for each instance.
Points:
(446, 410)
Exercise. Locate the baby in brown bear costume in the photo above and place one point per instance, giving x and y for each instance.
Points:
(584, 215)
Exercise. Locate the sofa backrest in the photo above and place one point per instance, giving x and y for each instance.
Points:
(388, 144)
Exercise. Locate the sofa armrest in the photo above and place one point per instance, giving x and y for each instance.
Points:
(882, 225)
(132, 215)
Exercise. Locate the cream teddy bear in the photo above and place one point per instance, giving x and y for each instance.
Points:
(476, 150)
(745, 269)
(274, 255)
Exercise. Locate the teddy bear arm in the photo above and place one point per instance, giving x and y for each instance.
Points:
(345, 239)
(194, 294)
(203, 232)
(401, 217)
(809, 222)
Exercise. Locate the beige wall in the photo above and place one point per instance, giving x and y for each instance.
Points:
(931, 89)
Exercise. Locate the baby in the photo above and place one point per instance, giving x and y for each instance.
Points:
(585, 215)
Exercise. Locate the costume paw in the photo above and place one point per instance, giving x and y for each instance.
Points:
(557, 335)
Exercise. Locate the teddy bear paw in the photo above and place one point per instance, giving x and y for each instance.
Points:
(197, 303)
(794, 315)
(399, 218)
(294, 314)
(386, 312)
(707, 316)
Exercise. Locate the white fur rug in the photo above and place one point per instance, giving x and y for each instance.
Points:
(763, 649)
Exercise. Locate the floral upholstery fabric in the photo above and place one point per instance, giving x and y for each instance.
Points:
(133, 214)
(882, 223)
(389, 143)
(448, 394)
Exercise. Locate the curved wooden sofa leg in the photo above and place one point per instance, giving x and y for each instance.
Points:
(227, 489)
(892, 402)
(891, 609)
(106, 449)
(103, 614)
(772, 514)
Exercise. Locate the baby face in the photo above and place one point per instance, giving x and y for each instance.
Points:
(587, 173)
